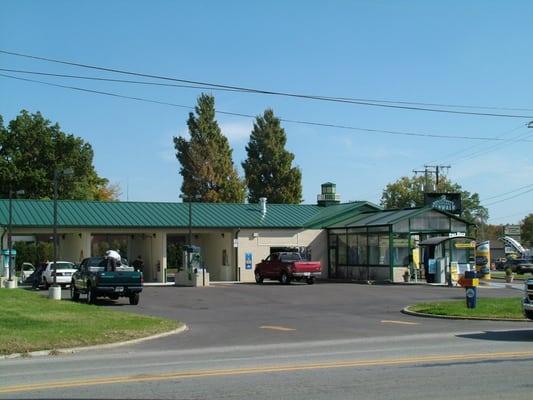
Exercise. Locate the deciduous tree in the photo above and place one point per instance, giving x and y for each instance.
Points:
(32, 148)
(409, 192)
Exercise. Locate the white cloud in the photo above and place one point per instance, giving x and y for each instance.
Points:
(236, 131)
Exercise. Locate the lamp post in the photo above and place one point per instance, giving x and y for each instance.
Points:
(9, 237)
(189, 199)
(55, 291)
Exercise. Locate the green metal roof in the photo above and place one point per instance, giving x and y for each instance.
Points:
(386, 217)
(72, 213)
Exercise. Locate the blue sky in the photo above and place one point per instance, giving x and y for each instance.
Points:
(452, 52)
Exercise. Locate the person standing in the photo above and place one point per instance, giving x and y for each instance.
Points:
(138, 264)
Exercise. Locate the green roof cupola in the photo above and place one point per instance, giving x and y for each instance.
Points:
(329, 195)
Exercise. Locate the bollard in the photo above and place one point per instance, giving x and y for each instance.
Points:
(470, 283)
(471, 296)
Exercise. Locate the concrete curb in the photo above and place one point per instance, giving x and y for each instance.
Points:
(407, 311)
(72, 350)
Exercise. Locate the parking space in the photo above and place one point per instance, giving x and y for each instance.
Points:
(248, 314)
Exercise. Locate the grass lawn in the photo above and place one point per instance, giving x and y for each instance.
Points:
(485, 308)
(30, 322)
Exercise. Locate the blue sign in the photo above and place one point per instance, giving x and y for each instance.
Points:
(432, 266)
(248, 260)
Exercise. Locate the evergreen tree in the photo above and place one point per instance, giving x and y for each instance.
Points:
(268, 169)
(206, 164)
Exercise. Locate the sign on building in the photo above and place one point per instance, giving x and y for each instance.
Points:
(511, 230)
(449, 202)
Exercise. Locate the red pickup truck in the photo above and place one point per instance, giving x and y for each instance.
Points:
(287, 266)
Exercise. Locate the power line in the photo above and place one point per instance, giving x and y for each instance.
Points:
(93, 78)
(268, 92)
(519, 138)
(294, 121)
(449, 157)
(508, 198)
(195, 86)
(509, 192)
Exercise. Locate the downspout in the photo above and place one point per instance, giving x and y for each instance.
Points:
(237, 270)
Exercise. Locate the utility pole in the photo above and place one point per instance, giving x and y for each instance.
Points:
(435, 169)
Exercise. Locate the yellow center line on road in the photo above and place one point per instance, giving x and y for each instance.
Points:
(387, 321)
(277, 328)
(255, 370)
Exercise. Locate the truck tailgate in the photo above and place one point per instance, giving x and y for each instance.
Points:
(307, 266)
(119, 278)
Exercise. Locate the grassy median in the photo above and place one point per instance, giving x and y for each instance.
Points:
(508, 308)
(30, 322)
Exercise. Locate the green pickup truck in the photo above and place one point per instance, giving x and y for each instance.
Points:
(93, 279)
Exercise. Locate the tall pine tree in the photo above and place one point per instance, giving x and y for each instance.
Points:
(268, 168)
(206, 164)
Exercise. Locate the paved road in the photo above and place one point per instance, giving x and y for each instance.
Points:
(329, 340)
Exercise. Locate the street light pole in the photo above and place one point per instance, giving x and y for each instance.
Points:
(55, 290)
(56, 175)
(9, 240)
(189, 199)
(10, 234)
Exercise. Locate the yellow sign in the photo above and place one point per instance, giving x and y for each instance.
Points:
(463, 245)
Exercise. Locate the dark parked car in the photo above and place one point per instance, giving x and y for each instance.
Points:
(95, 280)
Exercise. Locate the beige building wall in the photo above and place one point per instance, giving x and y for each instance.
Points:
(151, 244)
(217, 254)
(259, 241)
(74, 247)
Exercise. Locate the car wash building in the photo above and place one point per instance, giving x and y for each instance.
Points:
(356, 240)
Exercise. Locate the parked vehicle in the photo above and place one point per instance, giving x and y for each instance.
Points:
(287, 266)
(519, 265)
(94, 280)
(527, 302)
(26, 270)
(63, 273)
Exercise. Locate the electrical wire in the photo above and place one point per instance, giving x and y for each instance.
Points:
(508, 198)
(245, 91)
(509, 192)
(294, 121)
(267, 92)
(451, 156)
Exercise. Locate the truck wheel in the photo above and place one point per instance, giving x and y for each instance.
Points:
(91, 295)
(285, 280)
(258, 278)
(519, 271)
(134, 299)
(310, 281)
(74, 294)
(528, 314)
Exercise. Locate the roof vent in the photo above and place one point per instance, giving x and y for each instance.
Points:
(263, 205)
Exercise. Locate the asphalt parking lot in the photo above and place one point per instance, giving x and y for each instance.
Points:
(248, 314)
